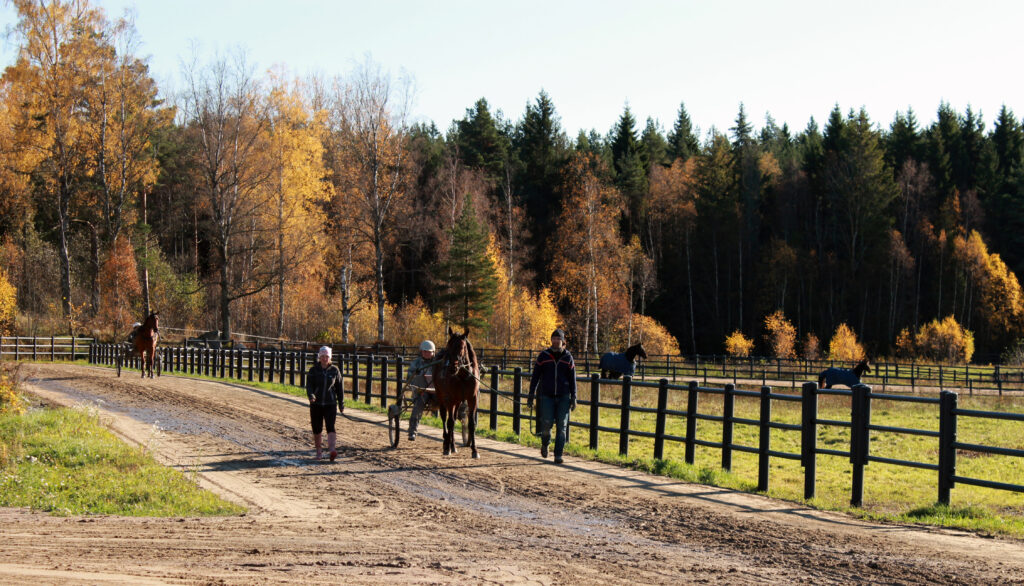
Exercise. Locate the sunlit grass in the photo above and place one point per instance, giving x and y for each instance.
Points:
(64, 461)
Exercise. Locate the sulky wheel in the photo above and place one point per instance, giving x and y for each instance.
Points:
(394, 425)
(465, 430)
(156, 364)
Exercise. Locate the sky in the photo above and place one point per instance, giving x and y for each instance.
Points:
(790, 59)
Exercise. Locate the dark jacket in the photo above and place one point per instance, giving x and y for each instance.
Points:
(323, 385)
(553, 375)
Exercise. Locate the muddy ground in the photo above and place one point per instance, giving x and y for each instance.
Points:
(411, 515)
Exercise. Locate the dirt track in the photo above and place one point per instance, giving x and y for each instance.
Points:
(413, 516)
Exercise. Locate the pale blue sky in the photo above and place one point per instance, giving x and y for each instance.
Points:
(794, 59)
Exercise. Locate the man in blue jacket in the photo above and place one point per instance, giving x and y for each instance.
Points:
(554, 383)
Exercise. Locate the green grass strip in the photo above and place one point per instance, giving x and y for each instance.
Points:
(63, 461)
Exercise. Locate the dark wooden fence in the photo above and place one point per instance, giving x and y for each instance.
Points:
(361, 373)
(44, 347)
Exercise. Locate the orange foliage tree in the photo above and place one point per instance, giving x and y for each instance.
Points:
(586, 244)
(811, 348)
(844, 345)
(781, 335)
(122, 291)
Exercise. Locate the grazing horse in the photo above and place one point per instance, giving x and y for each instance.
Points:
(614, 364)
(456, 379)
(144, 342)
(843, 376)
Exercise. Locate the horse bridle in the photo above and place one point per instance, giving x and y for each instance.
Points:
(460, 364)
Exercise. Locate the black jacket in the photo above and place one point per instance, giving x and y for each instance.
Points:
(323, 385)
(553, 375)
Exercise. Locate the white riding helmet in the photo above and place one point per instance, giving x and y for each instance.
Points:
(427, 346)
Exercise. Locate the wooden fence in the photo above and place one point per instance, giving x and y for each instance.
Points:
(503, 395)
(44, 348)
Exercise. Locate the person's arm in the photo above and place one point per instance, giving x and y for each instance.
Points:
(534, 380)
(310, 392)
(572, 381)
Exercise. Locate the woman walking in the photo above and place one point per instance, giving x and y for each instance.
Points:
(322, 385)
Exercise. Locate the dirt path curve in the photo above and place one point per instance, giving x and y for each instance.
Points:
(410, 515)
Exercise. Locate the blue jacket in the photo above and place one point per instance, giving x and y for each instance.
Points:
(553, 377)
(323, 384)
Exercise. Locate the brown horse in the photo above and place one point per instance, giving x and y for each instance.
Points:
(456, 379)
(144, 342)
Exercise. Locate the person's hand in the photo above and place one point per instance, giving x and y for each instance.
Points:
(572, 406)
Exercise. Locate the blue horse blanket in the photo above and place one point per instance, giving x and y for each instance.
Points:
(839, 376)
(618, 363)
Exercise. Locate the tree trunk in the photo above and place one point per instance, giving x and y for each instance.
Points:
(689, 293)
(225, 298)
(378, 269)
(145, 261)
(63, 205)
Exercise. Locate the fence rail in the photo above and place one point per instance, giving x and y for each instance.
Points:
(502, 397)
(44, 348)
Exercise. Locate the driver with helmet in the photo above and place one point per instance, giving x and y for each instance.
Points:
(420, 379)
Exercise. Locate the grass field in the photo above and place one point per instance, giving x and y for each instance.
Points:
(890, 492)
(65, 462)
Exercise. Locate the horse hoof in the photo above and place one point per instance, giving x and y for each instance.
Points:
(476, 456)
(446, 452)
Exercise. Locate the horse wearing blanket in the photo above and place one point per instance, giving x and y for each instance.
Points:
(615, 364)
(843, 376)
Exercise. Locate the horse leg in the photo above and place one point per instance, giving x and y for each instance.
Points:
(453, 416)
(445, 417)
(471, 420)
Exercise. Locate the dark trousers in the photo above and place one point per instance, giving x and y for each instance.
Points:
(553, 410)
(322, 414)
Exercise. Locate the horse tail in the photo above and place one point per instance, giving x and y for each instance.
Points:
(821, 380)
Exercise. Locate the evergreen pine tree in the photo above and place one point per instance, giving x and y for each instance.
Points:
(480, 142)
(682, 141)
(655, 144)
(468, 278)
(629, 158)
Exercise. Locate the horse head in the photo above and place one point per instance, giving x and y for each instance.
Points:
(636, 350)
(862, 367)
(457, 353)
(152, 322)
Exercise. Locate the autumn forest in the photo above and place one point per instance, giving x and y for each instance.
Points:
(313, 208)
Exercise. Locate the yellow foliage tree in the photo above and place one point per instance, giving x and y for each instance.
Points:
(738, 345)
(945, 340)
(520, 319)
(8, 305)
(781, 336)
(844, 345)
(297, 185)
(655, 337)
(414, 322)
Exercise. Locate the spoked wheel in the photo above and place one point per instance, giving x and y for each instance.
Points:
(157, 367)
(465, 430)
(394, 425)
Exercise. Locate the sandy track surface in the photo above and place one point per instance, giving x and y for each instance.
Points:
(411, 515)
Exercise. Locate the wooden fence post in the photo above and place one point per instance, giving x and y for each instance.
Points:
(860, 419)
(691, 422)
(517, 396)
(384, 381)
(947, 444)
(809, 437)
(627, 394)
(728, 406)
(764, 447)
(493, 415)
(595, 408)
(355, 377)
(659, 425)
(369, 378)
